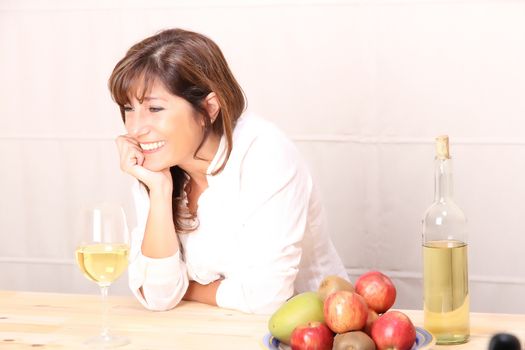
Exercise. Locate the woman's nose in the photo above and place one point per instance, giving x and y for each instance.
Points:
(136, 126)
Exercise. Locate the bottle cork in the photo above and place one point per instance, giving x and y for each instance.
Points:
(442, 147)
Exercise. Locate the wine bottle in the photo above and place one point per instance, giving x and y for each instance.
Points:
(445, 266)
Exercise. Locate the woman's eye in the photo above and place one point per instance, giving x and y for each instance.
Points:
(128, 108)
(155, 109)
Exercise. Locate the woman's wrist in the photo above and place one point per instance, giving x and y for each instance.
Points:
(163, 190)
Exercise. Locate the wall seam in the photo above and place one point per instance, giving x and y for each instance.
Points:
(395, 274)
(300, 138)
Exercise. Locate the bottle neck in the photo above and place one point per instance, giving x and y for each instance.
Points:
(443, 190)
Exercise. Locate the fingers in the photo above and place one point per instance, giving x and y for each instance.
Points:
(132, 160)
(141, 173)
(130, 153)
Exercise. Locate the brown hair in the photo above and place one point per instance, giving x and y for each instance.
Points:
(191, 66)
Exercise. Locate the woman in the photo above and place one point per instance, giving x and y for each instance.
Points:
(227, 213)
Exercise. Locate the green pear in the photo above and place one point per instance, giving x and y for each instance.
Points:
(300, 309)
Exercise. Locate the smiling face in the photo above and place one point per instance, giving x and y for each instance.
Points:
(167, 127)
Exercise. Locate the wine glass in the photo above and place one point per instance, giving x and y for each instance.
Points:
(102, 255)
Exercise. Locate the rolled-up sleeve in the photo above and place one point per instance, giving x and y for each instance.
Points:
(275, 192)
(159, 284)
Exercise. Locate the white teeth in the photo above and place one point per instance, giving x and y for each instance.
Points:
(152, 145)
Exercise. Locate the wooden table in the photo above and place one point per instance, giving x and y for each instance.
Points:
(63, 321)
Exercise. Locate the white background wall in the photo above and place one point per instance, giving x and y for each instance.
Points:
(362, 87)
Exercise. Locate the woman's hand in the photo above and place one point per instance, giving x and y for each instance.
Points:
(131, 161)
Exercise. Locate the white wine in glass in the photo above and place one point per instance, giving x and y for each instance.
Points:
(102, 255)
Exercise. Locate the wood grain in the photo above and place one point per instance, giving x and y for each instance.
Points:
(63, 321)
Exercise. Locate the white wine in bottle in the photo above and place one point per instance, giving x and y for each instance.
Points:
(445, 267)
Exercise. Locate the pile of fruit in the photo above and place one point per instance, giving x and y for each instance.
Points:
(339, 316)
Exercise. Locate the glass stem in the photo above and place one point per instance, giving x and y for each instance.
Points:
(105, 312)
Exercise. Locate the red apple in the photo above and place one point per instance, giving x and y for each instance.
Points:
(393, 330)
(345, 311)
(377, 289)
(312, 336)
(372, 316)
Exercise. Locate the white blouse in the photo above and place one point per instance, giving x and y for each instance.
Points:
(261, 229)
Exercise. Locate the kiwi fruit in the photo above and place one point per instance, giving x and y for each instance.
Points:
(355, 340)
(332, 284)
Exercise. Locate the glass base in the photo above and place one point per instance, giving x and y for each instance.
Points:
(451, 339)
(106, 341)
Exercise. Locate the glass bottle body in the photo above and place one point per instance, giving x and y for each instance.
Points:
(445, 263)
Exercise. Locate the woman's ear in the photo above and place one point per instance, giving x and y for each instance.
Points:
(211, 103)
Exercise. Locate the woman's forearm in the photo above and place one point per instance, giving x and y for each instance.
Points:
(202, 293)
(160, 239)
